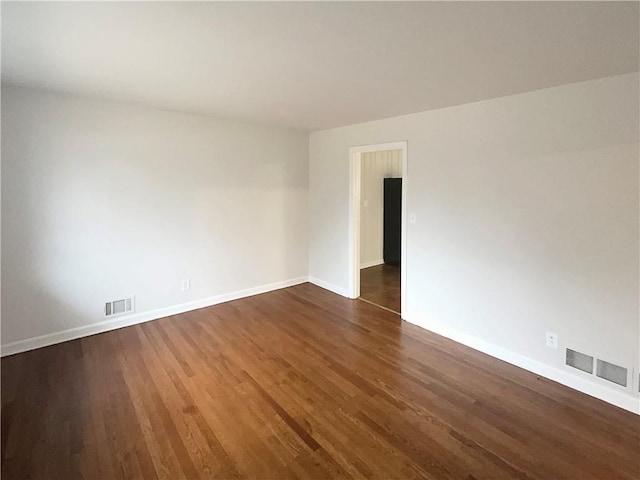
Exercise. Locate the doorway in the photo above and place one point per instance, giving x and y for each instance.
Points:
(378, 225)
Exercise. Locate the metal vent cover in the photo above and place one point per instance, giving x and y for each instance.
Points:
(612, 372)
(119, 307)
(578, 360)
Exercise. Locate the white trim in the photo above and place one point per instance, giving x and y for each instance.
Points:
(379, 147)
(355, 171)
(404, 227)
(329, 286)
(354, 222)
(113, 324)
(615, 397)
(374, 263)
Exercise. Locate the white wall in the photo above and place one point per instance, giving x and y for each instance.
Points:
(527, 222)
(102, 200)
(376, 166)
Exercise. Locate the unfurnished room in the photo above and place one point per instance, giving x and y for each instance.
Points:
(320, 240)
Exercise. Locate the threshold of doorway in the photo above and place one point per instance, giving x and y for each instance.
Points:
(379, 306)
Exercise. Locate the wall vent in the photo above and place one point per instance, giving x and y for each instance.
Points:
(579, 360)
(612, 372)
(119, 307)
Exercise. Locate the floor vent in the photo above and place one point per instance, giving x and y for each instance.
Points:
(119, 307)
(579, 360)
(612, 372)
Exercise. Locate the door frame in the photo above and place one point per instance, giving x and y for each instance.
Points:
(355, 187)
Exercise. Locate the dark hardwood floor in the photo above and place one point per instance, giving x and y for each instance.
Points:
(381, 285)
(297, 383)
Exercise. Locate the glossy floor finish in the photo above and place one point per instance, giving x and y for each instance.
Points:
(297, 383)
(381, 285)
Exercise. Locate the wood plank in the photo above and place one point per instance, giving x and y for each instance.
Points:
(297, 383)
(380, 285)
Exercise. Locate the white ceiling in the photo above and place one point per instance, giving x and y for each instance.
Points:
(314, 65)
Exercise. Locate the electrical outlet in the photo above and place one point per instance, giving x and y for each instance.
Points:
(186, 284)
(552, 340)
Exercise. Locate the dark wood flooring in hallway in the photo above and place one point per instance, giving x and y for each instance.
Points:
(297, 383)
(381, 285)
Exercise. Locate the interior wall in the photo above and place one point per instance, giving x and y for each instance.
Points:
(527, 221)
(102, 200)
(376, 166)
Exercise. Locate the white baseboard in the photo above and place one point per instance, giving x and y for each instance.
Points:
(125, 321)
(569, 379)
(374, 263)
(602, 392)
(329, 286)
